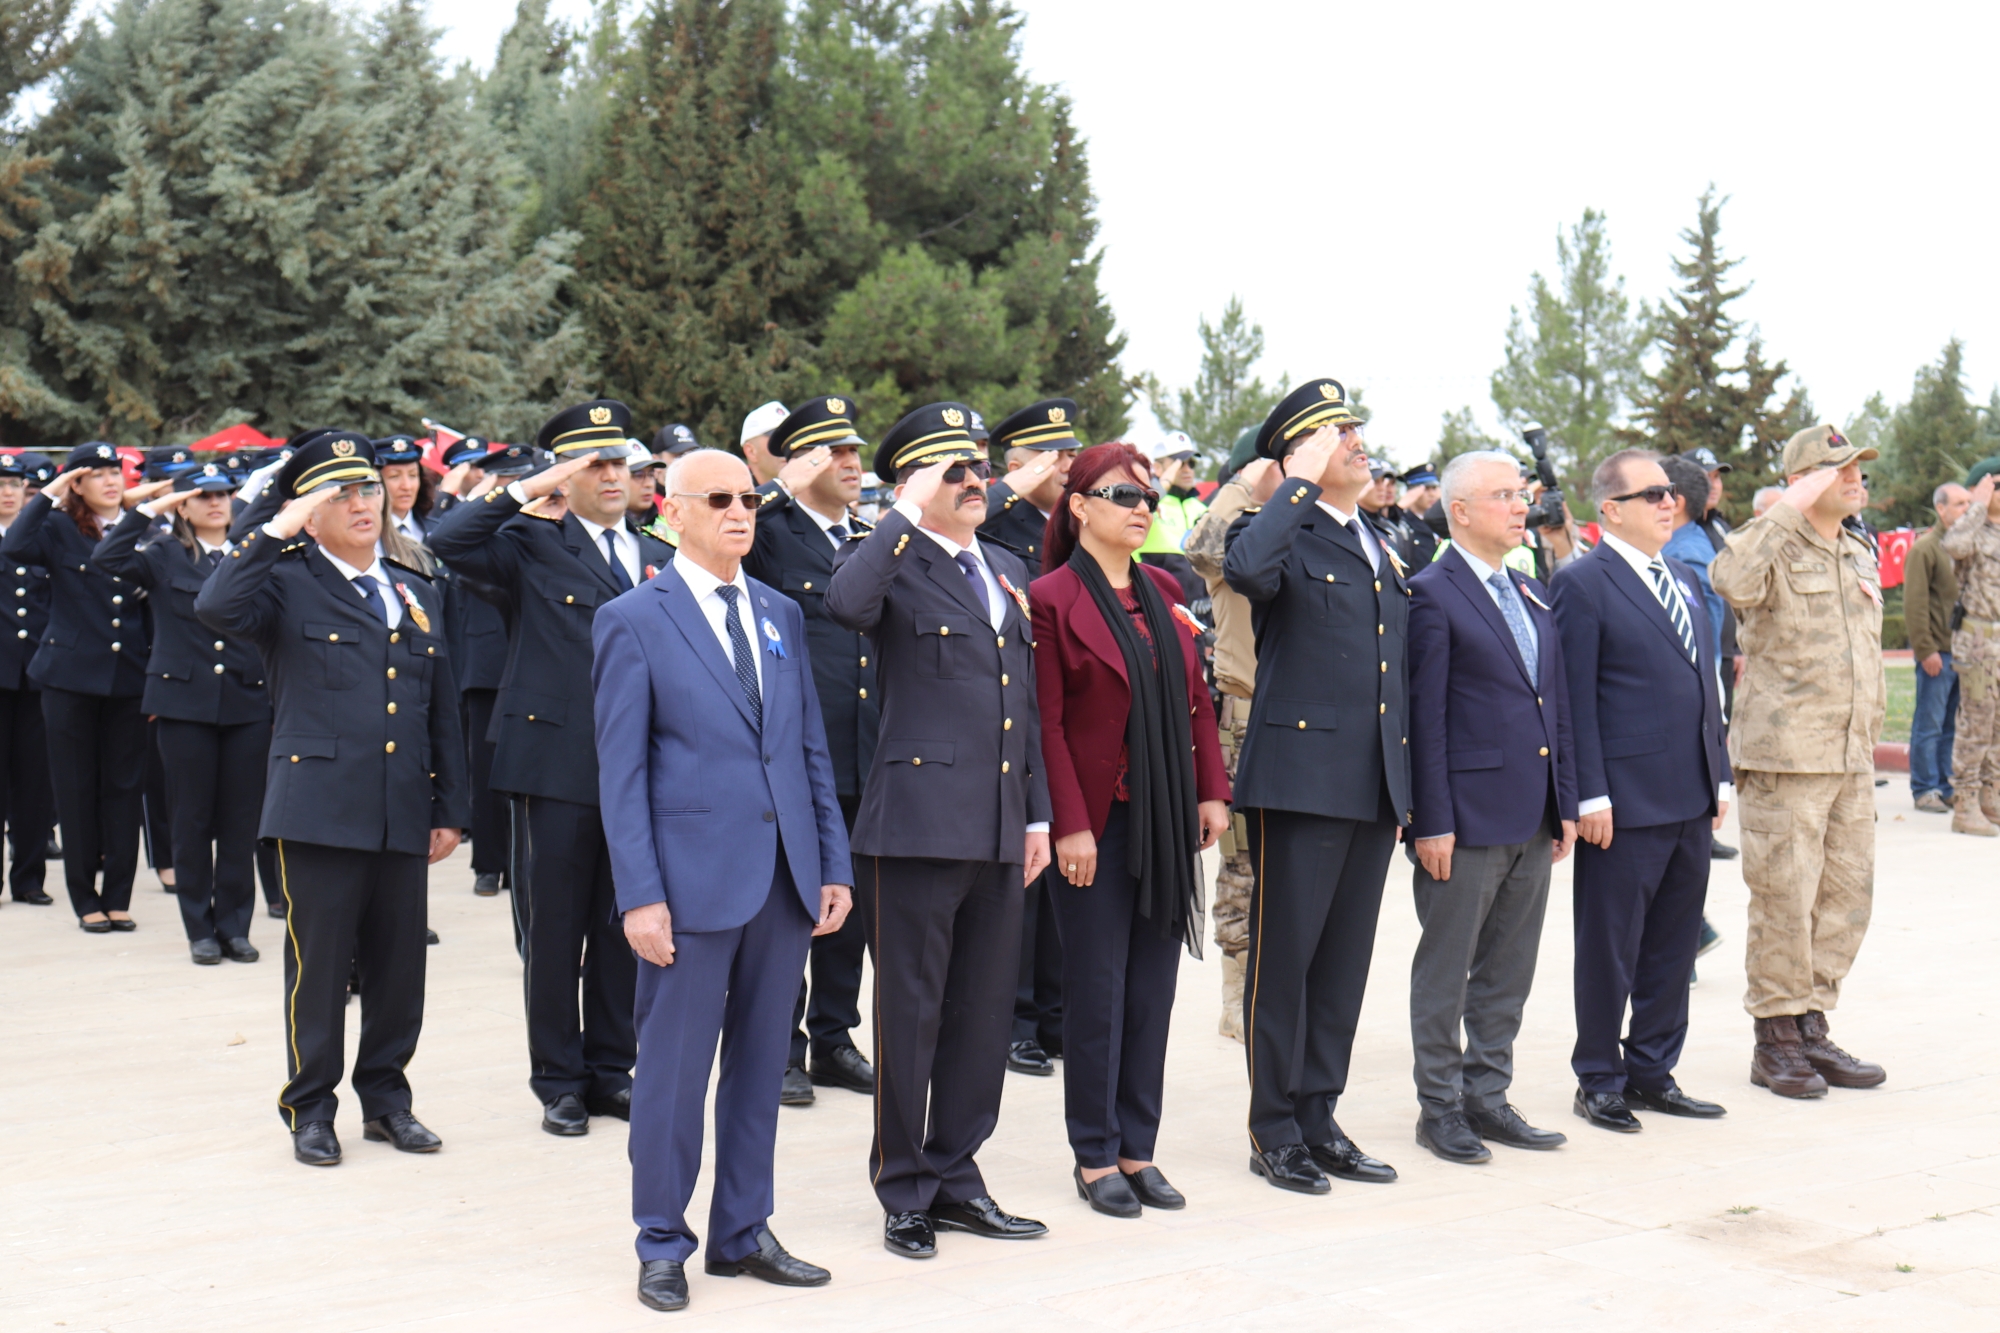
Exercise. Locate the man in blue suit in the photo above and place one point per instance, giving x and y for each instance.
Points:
(1493, 781)
(1654, 782)
(729, 852)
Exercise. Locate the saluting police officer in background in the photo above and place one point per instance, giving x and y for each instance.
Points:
(953, 822)
(24, 745)
(1040, 443)
(556, 574)
(804, 521)
(365, 780)
(1324, 782)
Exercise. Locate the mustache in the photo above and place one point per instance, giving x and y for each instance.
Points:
(967, 494)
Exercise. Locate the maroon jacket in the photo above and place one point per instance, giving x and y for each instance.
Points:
(1085, 700)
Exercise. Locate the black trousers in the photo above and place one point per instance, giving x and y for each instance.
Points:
(829, 1004)
(1118, 991)
(24, 788)
(572, 934)
(350, 911)
(1038, 989)
(490, 834)
(944, 935)
(1637, 911)
(218, 799)
(1312, 935)
(267, 874)
(97, 755)
(156, 802)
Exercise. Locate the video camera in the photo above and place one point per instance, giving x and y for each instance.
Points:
(1547, 512)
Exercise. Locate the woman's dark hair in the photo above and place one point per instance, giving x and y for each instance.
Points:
(81, 514)
(1088, 472)
(427, 484)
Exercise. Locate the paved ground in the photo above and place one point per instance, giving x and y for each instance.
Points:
(146, 1182)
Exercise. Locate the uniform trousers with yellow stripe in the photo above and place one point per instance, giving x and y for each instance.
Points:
(350, 909)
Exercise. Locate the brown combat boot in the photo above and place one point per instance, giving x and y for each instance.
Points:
(1989, 804)
(1967, 817)
(1835, 1065)
(1779, 1062)
(1231, 1025)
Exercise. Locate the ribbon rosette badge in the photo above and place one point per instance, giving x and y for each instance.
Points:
(773, 643)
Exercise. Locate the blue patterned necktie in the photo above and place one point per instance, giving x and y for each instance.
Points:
(739, 648)
(971, 568)
(1676, 609)
(618, 574)
(1517, 623)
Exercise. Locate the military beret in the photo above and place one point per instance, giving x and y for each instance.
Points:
(93, 455)
(1316, 403)
(397, 449)
(1240, 453)
(1820, 446)
(328, 458)
(1049, 424)
(210, 477)
(825, 420)
(932, 432)
(594, 425)
(1981, 470)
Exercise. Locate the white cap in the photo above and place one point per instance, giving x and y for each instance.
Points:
(763, 421)
(1172, 443)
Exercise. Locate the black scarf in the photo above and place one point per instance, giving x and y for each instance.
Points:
(1163, 821)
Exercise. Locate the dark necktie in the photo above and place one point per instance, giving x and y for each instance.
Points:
(211, 561)
(618, 574)
(838, 532)
(1354, 526)
(1663, 588)
(374, 592)
(739, 648)
(972, 576)
(1516, 617)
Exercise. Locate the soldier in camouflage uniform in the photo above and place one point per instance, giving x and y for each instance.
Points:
(1973, 543)
(1808, 601)
(1235, 674)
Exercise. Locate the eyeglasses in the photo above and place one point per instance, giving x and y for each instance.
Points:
(956, 472)
(1127, 496)
(1509, 497)
(367, 490)
(752, 500)
(1652, 495)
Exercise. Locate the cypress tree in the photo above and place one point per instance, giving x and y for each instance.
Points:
(1933, 438)
(546, 96)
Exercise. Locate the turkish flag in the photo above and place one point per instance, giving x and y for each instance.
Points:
(1895, 553)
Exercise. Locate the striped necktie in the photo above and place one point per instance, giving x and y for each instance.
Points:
(1670, 598)
(739, 649)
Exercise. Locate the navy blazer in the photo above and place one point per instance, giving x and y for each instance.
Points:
(696, 800)
(1648, 721)
(25, 593)
(97, 637)
(1490, 749)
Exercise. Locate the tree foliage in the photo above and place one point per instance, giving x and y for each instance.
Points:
(34, 42)
(1933, 438)
(1225, 396)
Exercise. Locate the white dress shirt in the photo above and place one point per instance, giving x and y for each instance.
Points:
(381, 588)
(408, 526)
(628, 550)
(825, 523)
(1484, 573)
(704, 585)
(1368, 542)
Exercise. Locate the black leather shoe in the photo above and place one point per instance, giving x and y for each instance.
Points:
(663, 1285)
(617, 1105)
(1606, 1110)
(276, 911)
(1111, 1195)
(314, 1144)
(983, 1217)
(566, 1116)
(123, 925)
(1028, 1057)
(94, 927)
(909, 1234)
(402, 1131)
(1722, 851)
(240, 950)
(1452, 1137)
(1153, 1189)
(205, 952)
(772, 1263)
(487, 885)
(1506, 1125)
(431, 936)
(797, 1089)
(1344, 1158)
(1672, 1101)
(38, 898)
(1290, 1167)
(844, 1067)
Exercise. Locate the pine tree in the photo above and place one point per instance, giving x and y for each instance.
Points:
(546, 96)
(1225, 397)
(1933, 438)
(33, 43)
(1459, 434)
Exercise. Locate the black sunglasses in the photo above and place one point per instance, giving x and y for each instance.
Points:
(956, 472)
(752, 500)
(1127, 496)
(1652, 495)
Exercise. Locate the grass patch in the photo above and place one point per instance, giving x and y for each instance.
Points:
(1902, 701)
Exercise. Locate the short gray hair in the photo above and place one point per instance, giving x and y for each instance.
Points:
(1455, 479)
(1609, 477)
(1765, 497)
(1943, 493)
(678, 467)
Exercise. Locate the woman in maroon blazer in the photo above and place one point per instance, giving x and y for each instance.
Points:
(1137, 787)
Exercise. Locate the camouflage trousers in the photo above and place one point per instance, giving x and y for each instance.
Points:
(1809, 861)
(1975, 754)
(1233, 879)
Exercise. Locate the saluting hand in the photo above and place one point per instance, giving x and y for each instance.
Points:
(804, 469)
(138, 495)
(1032, 473)
(650, 932)
(291, 520)
(545, 483)
(167, 503)
(1309, 461)
(58, 488)
(1800, 494)
(835, 902)
(922, 488)
(454, 480)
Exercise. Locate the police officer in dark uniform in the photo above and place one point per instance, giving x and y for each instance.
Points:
(1040, 443)
(1323, 780)
(24, 746)
(953, 822)
(804, 521)
(556, 573)
(365, 778)
(206, 694)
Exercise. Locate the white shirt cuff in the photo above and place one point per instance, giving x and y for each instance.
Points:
(1039, 826)
(516, 494)
(147, 509)
(916, 516)
(1592, 806)
(1726, 792)
(271, 530)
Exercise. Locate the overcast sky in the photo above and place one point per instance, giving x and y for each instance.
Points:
(1378, 181)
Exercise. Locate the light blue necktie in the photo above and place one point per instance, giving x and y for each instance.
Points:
(1517, 622)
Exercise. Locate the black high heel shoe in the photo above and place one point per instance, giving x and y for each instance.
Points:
(1152, 1188)
(1111, 1195)
(93, 927)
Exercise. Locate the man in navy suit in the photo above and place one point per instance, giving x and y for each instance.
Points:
(1493, 778)
(1654, 783)
(726, 845)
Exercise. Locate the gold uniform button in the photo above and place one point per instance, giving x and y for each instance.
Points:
(809, 586)
(1381, 629)
(1003, 678)
(864, 661)
(1302, 724)
(20, 592)
(431, 651)
(1007, 725)
(567, 600)
(944, 629)
(333, 638)
(392, 673)
(1385, 668)
(218, 671)
(1381, 708)
(118, 601)
(1538, 700)
(392, 708)
(115, 624)
(1003, 765)
(395, 637)
(917, 761)
(1001, 641)
(295, 759)
(864, 694)
(390, 748)
(116, 647)
(218, 645)
(1545, 752)
(1329, 578)
(1378, 585)
(531, 717)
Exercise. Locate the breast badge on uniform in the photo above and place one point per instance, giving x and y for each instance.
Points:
(417, 613)
(1020, 598)
(774, 643)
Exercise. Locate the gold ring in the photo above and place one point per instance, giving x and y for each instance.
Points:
(1072, 866)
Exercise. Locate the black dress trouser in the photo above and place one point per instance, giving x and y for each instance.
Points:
(97, 756)
(490, 828)
(346, 912)
(829, 1004)
(573, 934)
(24, 788)
(1312, 935)
(156, 803)
(218, 799)
(945, 936)
(1038, 990)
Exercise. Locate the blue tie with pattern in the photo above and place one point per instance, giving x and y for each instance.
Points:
(739, 648)
(1663, 588)
(970, 565)
(1517, 622)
